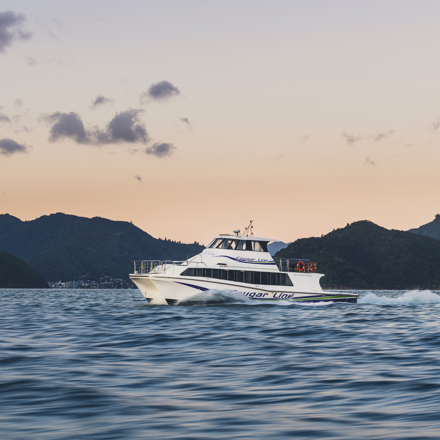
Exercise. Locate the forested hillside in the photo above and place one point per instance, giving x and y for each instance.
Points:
(366, 256)
(14, 272)
(66, 247)
(431, 229)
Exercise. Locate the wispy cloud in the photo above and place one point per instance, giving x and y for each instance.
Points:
(368, 161)
(9, 147)
(160, 91)
(31, 61)
(101, 100)
(161, 149)
(382, 136)
(4, 118)
(350, 138)
(277, 158)
(138, 178)
(436, 125)
(11, 29)
(187, 122)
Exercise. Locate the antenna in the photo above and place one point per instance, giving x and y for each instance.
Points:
(249, 230)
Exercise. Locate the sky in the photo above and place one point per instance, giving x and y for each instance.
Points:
(190, 117)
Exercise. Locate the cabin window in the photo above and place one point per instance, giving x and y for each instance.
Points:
(214, 242)
(240, 276)
(241, 245)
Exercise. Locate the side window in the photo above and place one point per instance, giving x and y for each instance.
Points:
(214, 242)
(248, 277)
(241, 245)
(215, 273)
(248, 245)
(187, 272)
(225, 244)
(257, 246)
(219, 243)
(239, 276)
(263, 245)
(231, 275)
(257, 277)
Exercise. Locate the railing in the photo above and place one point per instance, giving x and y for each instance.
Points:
(162, 266)
(295, 265)
(168, 266)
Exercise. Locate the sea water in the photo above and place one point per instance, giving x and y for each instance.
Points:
(103, 364)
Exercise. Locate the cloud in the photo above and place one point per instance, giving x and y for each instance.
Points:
(67, 125)
(436, 125)
(161, 149)
(368, 161)
(279, 157)
(187, 122)
(380, 136)
(11, 29)
(4, 118)
(124, 127)
(9, 147)
(18, 102)
(138, 178)
(350, 138)
(101, 100)
(159, 92)
(30, 61)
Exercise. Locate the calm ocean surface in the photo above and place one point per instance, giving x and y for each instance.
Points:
(102, 364)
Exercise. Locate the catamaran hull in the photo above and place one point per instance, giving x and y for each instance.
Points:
(169, 291)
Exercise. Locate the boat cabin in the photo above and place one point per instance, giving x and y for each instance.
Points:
(240, 243)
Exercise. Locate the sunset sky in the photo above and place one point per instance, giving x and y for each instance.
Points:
(188, 118)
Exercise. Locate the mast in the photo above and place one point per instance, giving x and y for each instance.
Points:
(249, 230)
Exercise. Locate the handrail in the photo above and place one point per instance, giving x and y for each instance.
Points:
(143, 267)
(295, 264)
(161, 266)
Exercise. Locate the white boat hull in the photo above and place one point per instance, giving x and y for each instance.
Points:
(161, 290)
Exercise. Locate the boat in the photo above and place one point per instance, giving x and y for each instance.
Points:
(237, 263)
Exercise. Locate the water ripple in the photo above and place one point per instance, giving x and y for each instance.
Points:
(101, 364)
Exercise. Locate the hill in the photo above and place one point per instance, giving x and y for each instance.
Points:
(66, 247)
(14, 272)
(431, 229)
(366, 256)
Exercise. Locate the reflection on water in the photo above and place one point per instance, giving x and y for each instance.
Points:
(103, 364)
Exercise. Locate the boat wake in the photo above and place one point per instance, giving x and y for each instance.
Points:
(410, 297)
(218, 297)
(215, 296)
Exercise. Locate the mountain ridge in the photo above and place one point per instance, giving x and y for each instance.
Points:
(364, 255)
(66, 247)
(15, 273)
(431, 229)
